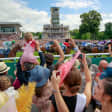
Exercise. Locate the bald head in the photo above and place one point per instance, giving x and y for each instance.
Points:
(103, 64)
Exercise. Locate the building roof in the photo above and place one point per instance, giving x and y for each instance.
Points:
(11, 23)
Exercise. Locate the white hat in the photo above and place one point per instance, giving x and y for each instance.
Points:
(3, 67)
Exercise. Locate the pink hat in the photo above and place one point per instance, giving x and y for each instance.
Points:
(65, 68)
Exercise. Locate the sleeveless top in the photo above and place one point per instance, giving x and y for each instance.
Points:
(28, 54)
(75, 103)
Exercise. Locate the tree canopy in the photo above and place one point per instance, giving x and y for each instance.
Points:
(90, 22)
(108, 30)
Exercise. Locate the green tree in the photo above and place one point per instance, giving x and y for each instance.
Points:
(108, 30)
(74, 33)
(86, 36)
(90, 22)
(101, 35)
(33, 33)
(39, 34)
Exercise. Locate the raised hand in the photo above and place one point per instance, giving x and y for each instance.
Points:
(55, 80)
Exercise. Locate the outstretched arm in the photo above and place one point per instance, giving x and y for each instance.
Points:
(75, 47)
(41, 55)
(37, 46)
(62, 107)
(61, 53)
(87, 90)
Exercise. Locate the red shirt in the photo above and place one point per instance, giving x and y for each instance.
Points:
(33, 44)
(66, 44)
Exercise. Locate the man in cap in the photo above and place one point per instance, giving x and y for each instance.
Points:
(3, 68)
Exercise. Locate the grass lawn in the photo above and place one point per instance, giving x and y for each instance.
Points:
(19, 54)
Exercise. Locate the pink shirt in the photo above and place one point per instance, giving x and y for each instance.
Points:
(28, 55)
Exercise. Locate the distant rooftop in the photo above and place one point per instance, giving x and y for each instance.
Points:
(10, 23)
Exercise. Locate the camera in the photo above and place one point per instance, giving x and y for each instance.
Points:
(80, 56)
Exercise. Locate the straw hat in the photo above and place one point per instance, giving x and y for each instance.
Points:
(3, 67)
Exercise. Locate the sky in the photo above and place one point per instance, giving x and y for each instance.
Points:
(33, 14)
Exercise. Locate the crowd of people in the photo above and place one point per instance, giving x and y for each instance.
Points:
(84, 87)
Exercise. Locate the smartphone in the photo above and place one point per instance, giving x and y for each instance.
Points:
(58, 73)
(80, 56)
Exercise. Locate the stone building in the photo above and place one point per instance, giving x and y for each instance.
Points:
(55, 29)
(10, 30)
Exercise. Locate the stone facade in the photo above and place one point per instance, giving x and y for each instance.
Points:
(55, 29)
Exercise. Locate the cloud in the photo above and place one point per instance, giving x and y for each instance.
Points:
(33, 20)
(73, 20)
(77, 4)
(17, 11)
(105, 19)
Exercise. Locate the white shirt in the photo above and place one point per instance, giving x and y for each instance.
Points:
(81, 103)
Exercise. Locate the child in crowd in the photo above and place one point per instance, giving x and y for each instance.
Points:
(29, 47)
(4, 83)
(5, 86)
(43, 90)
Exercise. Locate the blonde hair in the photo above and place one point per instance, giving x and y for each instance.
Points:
(28, 36)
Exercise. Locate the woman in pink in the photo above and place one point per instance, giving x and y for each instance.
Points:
(29, 48)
